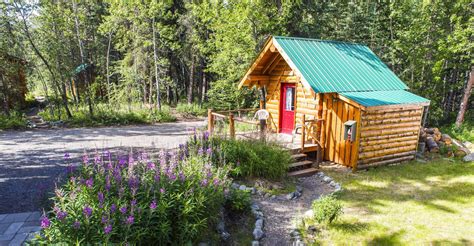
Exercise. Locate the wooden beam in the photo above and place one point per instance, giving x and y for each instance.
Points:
(266, 47)
(274, 64)
(284, 78)
(270, 64)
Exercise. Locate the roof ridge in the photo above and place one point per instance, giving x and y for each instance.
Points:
(321, 40)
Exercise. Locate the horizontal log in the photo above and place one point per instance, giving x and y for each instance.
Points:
(376, 153)
(392, 108)
(391, 115)
(389, 131)
(388, 145)
(391, 126)
(306, 111)
(392, 120)
(386, 162)
(388, 136)
(446, 139)
(386, 157)
(388, 140)
(432, 145)
(219, 115)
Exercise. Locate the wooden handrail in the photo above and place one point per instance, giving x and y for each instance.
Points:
(219, 115)
(246, 121)
(237, 110)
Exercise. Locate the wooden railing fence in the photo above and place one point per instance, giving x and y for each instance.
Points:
(230, 116)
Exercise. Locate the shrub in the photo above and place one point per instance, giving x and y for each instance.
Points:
(136, 200)
(327, 209)
(238, 200)
(15, 120)
(463, 133)
(190, 110)
(245, 157)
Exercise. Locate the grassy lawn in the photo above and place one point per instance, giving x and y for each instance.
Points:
(414, 204)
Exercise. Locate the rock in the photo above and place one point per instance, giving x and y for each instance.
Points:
(273, 197)
(259, 224)
(327, 179)
(321, 174)
(267, 195)
(255, 243)
(260, 192)
(225, 236)
(253, 191)
(468, 158)
(332, 183)
(298, 242)
(255, 207)
(338, 188)
(312, 229)
(299, 189)
(235, 185)
(296, 194)
(294, 233)
(259, 215)
(221, 226)
(258, 234)
(290, 196)
(309, 213)
(243, 187)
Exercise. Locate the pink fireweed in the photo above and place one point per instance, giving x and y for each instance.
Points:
(87, 211)
(45, 222)
(153, 205)
(108, 229)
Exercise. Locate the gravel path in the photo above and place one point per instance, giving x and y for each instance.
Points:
(280, 213)
(31, 161)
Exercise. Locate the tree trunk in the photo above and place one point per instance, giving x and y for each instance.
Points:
(107, 64)
(204, 87)
(81, 51)
(191, 82)
(465, 98)
(155, 58)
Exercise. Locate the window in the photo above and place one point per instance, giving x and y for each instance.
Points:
(290, 99)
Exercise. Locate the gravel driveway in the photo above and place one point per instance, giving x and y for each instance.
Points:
(31, 161)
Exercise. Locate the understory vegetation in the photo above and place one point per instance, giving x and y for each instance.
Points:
(464, 133)
(413, 203)
(248, 158)
(131, 199)
(14, 120)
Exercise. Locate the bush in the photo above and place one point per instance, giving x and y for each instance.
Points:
(136, 200)
(327, 209)
(105, 115)
(238, 200)
(463, 133)
(190, 110)
(15, 120)
(247, 157)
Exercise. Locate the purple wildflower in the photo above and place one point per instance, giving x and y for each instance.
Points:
(200, 151)
(204, 182)
(76, 224)
(216, 182)
(150, 165)
(45, 222)
(67, 156)
(209, 151)
(107, 183)
(131, 160)
(61, 215)
(153, 205)
(162, 190)
(157, 177)
(130, 220)
(113, 208)
(100, 196)
(133, 183)
(108, 229)
(90, 182)
(205, 135)
(104, 219)
(122, 162)
(87, 211)
(70, 169)
(182, 177)
(85, 159)
(123, 209)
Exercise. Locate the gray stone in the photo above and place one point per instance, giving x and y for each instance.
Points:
(18, 239)
(309, 213)
(13, 228)
(294, 233)
(468, 158)
(255, 206)
(258, 234)
(267, 195)
(321, 174)
(259, 215)
(290, 196)
(298, 242)
(338, 188)
(260, 193)
(299, 189)
(255, 243)
(225, 236)
(274, 197)
(297, 195)
(332, 183)
(29, 229)
(253, 190)
(221, 226)
(242, 187)
(235, 185)
(19, 217)
(259, 223)
(327, 179)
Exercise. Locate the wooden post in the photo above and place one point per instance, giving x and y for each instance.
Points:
(303, 132)
(210, 121)
(231, 125)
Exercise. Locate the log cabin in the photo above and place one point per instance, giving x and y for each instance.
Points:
(340, 97)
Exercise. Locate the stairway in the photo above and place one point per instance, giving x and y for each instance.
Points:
(301, 166)
(36, 121)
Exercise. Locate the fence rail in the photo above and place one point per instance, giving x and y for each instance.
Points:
(228, 115)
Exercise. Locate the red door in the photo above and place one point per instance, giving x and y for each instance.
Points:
(287, 108)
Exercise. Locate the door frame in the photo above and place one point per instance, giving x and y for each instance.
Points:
(280, 121)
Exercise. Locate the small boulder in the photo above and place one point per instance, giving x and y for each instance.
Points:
(259, 223)
(321, 174)
(327, 179)
(225, 236)
(273, 197)
(309, 213)
(221, 226)
(267, 195)
(235, 185)
(468, 158)
(243, 187)
(297, 194)
(258, 234)
(255, 243)
(299, 189)
(332, 183)
(290, 195)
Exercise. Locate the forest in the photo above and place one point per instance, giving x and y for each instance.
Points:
(87, 58)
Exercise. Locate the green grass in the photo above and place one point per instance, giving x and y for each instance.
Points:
(191, 110)
(463, 133)
(107, 115)
(16, 120)
(409, 204)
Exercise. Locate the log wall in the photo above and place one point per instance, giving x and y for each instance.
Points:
(389, 135)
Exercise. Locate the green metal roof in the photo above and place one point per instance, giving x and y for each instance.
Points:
(332, 66)
(378, 98)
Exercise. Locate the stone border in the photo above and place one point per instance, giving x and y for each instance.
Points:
(17, 228)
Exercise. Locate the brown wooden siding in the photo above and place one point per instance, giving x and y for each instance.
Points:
(335, 113)
(389, 135)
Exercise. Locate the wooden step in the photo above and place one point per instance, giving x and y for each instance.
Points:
(298, 156)
(310, 148)
(300, 164)
(304, 172)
